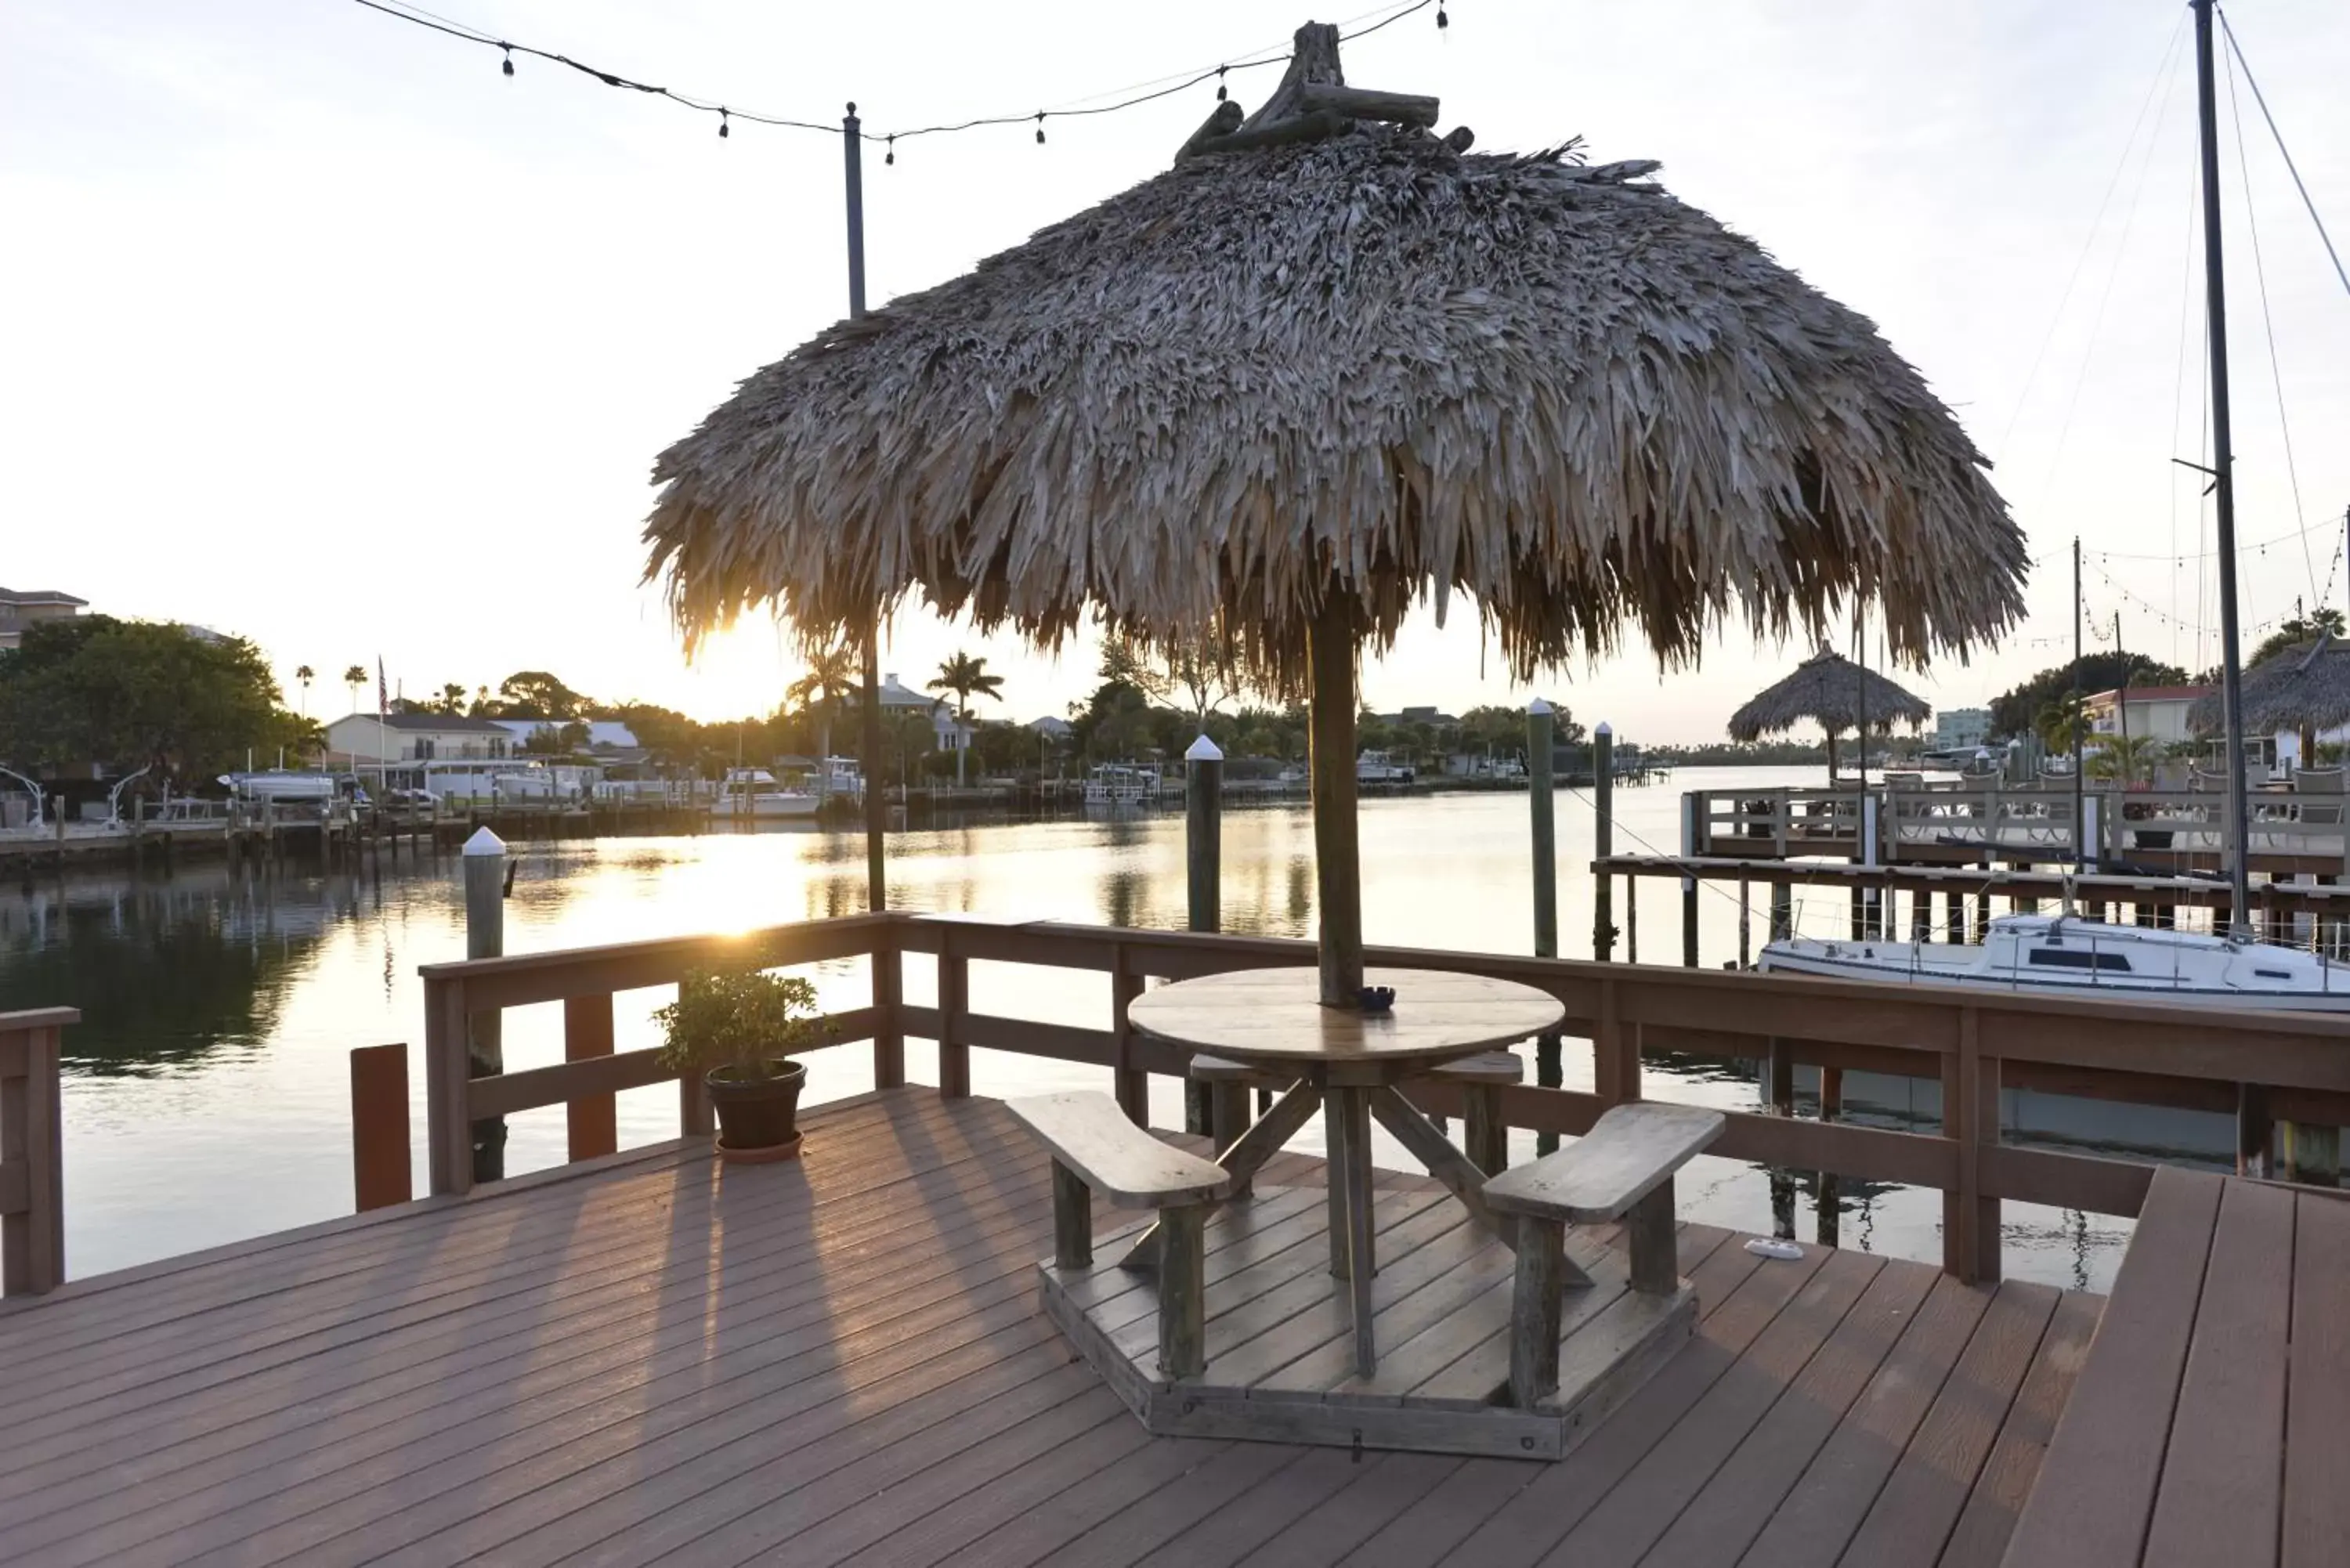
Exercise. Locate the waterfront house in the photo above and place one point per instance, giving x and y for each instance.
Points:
(368, 739)
(948, 733)
(2156, 712)
(22, 607)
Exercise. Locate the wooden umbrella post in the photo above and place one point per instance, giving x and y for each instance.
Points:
(1330, 651)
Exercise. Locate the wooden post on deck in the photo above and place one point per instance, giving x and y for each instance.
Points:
(1603, 841)
(485, 937)
(591, 1122)
(1542, 801)
(380, 1175)
(1331, 646)
(1203, 852)
(32, 1227)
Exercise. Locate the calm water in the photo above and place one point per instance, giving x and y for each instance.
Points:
(207, 1091)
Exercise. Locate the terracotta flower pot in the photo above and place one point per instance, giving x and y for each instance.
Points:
(758, 1118)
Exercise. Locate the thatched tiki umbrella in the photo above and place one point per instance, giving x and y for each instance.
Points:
(1323, 369)
(1832, 691)
(2304, 688)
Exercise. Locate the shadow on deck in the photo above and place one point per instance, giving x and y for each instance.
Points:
(843, 1360)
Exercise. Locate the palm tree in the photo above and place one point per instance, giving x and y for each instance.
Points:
(355, 677)
(304, 674)
(965, 677)
(2124, 757)
(453, 698)
(831, 678)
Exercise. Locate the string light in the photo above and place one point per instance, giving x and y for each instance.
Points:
(403, 11)
(1443, 21)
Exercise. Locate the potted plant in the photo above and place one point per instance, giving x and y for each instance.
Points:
(737, 1030)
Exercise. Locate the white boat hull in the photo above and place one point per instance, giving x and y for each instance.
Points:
(764, 807)
(2066, 956)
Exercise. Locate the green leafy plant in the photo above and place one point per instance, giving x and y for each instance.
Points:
(744, 1019)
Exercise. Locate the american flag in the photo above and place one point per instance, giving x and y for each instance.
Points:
(382, 692)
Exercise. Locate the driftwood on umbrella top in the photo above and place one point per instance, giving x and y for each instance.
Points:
(1832, 691)
(1326, 368)
(2301, 688)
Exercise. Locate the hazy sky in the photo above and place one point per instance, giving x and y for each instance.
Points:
(319, 330)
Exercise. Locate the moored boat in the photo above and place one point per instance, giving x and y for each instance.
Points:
(2068, 955)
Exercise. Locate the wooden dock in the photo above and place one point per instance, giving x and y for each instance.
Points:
(844, 1360)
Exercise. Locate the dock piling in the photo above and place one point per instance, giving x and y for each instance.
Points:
(1688, 883)
(485, 937)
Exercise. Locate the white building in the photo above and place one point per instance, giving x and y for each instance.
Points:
(947, 733)
(363, 738)
(1960, 729)
(2154, 712)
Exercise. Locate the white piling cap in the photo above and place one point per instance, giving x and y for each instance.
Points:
(485, 841)
(1605, 728)
(1539, 709)
(1203, 750)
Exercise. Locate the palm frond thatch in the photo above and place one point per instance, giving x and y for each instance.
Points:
(1369, 368)
(2303, 687)
(1827, 690)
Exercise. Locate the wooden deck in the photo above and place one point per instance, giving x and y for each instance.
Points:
(843, 1360)
(2211, 1423)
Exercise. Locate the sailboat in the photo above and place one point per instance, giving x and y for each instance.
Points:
(2066, 953)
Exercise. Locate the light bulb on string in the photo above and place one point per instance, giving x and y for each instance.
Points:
(1040, 128)
(1219, 82)
(722, 121)
(889, 151)
(1443, 21)
(508, 66)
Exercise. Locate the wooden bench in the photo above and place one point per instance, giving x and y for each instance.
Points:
(1621, 1169)
(1096, 1150)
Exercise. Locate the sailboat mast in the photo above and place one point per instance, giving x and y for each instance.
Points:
(2079, 827)
(2236, 841)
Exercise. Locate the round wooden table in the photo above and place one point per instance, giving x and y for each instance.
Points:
(1348, 1064)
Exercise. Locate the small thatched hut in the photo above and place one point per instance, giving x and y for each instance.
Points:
(1832, 691)
(2301, 688)
(1324, 369)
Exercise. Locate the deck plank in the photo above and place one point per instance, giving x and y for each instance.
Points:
(1815, 1520)
(2095, 1492)
(2223, 1480)
(1923, 1498)
(2316, 1459)
(1730, 1510)
(1980, 1538)
(1640, 1506)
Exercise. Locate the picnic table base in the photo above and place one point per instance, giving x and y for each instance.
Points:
(1280, 1356)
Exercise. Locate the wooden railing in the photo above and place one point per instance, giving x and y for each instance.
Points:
(2286, 1067)
(2289, 831)
(32, 1157)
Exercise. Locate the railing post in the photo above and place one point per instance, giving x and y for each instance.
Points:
(484, 857)
(1971, 1221)
(954, 1006)
(33, 1229)
(380, 1175)
(1603, 841)
(591, 1122)
(1130, 1085)
(1204, 851)
(448, 1071)
(1615, 1049)
(887, 964)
